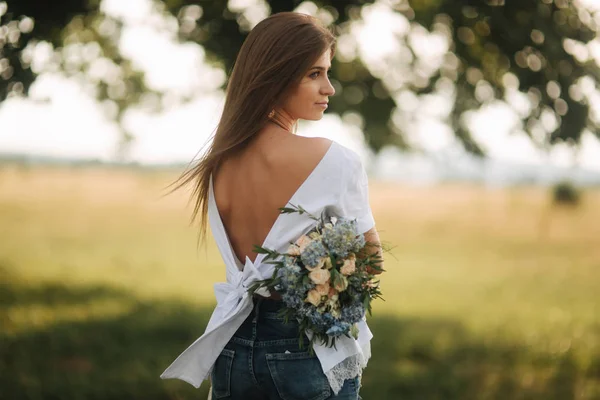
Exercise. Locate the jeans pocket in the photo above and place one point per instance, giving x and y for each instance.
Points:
(298, 376)
(221, 374)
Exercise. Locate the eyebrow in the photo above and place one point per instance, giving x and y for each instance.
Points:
(320, 68)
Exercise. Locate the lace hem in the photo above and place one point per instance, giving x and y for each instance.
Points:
(348, 369)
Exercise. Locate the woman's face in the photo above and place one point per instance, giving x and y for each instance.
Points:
(309, 99)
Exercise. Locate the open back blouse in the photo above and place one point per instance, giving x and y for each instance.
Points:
(338, 185)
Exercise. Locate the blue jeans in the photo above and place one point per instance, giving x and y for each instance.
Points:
(263, 361)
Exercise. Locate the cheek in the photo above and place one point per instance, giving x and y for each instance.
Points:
(300, 103)
(307, 93)
(299, 100)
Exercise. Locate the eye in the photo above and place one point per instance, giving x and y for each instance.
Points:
(316, 74)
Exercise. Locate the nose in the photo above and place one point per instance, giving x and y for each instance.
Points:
(328, 89)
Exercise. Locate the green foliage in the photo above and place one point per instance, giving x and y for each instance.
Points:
(533, 40)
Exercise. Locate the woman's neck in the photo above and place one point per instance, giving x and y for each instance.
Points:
(284, 120)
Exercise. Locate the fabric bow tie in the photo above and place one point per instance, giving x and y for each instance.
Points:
(233, 307)
(232, 293)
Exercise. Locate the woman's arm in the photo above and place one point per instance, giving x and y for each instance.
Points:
(373, 247)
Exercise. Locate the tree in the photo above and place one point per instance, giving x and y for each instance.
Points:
(538, 42)
(533, 45)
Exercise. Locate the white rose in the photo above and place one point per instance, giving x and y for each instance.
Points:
(293, 250)
(335, 312)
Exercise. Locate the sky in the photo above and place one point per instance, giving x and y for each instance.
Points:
(72, 123)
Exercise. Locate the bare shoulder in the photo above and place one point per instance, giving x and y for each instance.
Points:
(320, 143)
(306, 151)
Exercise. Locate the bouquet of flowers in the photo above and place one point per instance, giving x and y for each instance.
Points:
(326, 279)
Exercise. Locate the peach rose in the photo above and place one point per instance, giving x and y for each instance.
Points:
(313, 298)
(349, 266)
(302, 242)
(319, 276)
(323, 289)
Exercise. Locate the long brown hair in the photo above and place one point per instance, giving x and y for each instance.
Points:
(272, 60)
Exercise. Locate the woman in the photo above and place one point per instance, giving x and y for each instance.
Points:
(255, 165)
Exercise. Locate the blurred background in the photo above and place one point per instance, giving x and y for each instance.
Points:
(477, 120)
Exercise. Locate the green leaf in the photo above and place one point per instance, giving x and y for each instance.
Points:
(366, 302)
(260, 250)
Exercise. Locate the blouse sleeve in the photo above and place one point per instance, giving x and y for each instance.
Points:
(353, 200)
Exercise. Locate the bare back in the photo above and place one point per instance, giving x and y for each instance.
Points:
(250, 188)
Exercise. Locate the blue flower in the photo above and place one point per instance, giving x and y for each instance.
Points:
(292, 300)
(352, 313)
(359, 243)
(339, 328)
(304, 311)
(313, 252)
(321, 321)
(289, 262)
(343, 238)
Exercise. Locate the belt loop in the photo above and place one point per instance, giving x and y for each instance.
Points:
(258, 302)
(255, 320)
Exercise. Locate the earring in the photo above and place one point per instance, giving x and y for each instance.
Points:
(272, 113)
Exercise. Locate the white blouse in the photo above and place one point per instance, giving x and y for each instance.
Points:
(338, 184)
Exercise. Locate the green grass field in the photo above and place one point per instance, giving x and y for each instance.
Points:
(490, 293)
